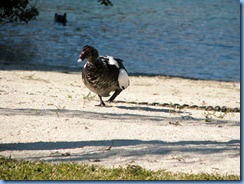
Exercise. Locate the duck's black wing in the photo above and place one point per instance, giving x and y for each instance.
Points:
(100, 76)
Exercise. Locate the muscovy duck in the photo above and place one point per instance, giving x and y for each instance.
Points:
(103, 74)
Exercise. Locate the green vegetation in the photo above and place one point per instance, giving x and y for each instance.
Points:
(17, 11)
(209, 115)
(87, 98)
(11, 169)
(31, 77)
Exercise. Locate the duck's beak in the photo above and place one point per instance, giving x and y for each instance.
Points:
(81, 58)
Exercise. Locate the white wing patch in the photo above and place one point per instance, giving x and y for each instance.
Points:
(112, 61)
(123, 79)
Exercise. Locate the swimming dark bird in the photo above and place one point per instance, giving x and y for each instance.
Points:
(106, 2)
(103, 74)
(60, 18)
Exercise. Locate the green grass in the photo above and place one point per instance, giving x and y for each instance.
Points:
(11, 169)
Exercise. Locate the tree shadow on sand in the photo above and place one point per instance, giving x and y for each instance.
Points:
(104, 149)
(122, 148)
(78, 113)
(70, 113)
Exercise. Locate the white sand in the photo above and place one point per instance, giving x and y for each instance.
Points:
(48, 116)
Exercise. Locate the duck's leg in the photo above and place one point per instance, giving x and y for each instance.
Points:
(116, 93)
(102, 104)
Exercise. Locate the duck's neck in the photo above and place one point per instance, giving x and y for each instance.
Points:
(92, 59)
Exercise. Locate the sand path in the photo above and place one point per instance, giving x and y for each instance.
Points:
(51, 116)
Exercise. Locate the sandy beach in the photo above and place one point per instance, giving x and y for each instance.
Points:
(51, 116)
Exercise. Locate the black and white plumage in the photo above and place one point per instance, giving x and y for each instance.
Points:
(103, 74)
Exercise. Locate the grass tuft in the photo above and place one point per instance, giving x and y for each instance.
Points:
(89, 97)
(12, 169)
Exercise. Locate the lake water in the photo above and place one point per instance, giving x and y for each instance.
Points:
(187, 38)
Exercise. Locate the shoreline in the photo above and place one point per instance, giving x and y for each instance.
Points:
(51, 116)
(62, 69)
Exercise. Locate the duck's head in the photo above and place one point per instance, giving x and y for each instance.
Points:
(89, 53)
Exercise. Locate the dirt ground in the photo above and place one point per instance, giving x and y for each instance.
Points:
(52, 116)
